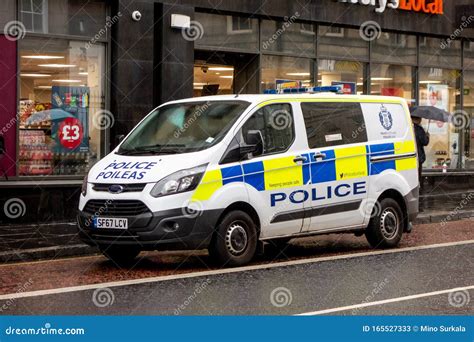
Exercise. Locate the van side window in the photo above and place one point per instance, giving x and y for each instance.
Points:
(275, 123)
(333, 123)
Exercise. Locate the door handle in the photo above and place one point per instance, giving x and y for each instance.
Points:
(320, 155)
(300, 159)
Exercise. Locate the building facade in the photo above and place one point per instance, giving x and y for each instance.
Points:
(76, 75)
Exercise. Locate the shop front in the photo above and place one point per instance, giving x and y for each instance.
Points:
(378, 51)
(54, 73)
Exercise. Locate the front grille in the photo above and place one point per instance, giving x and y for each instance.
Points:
(126, 187)
(115, 208)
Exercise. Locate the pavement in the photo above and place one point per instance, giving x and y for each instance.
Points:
(429, 274)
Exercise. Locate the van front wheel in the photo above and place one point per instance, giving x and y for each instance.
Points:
(235, 240)
(385, 228)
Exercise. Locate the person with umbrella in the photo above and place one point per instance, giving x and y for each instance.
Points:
(422, 137)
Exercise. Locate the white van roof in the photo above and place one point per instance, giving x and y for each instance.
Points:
(259, 98)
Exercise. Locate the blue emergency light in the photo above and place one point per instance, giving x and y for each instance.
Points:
(310, 90)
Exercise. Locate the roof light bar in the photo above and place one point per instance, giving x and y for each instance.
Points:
(311, 90)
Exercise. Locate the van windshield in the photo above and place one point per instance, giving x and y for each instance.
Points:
(183, 127)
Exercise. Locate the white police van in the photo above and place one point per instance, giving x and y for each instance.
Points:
(228, 173)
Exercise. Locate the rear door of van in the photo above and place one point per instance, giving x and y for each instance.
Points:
(392, 147)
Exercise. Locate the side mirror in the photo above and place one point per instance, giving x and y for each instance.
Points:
(254, 141)
(236, 152)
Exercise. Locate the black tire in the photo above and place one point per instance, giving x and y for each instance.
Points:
(120, 255)
(235, 241)
(385, 228)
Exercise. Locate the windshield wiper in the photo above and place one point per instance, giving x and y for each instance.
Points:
(154, 149)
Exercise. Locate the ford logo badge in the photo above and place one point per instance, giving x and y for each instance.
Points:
(116, 188)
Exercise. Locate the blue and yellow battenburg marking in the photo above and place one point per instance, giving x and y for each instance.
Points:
(336, 165)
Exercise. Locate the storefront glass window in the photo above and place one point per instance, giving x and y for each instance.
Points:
(440, 88)
(437, 52)
(392, 80)
(280, 70)
(225, 31)
(288, 36)
(342, 43)
(212, 79)
(468, 78)
(78, 18)
(469, 55)
(61, 97)
(394, 48)
(349, 73)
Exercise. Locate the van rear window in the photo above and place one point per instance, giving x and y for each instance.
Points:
(333, 123)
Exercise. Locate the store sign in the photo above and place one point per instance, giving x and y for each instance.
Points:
(421, 6)
(348, 88)
(70, 133)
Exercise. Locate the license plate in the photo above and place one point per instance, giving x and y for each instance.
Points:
(111, 223)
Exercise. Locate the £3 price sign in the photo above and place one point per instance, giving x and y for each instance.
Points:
(70, 133)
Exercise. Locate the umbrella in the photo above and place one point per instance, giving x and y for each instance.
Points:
(55, 114)
(430, 113)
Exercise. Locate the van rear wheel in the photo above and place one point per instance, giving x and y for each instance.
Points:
(235, 241)
(120, 255)
(385, 228)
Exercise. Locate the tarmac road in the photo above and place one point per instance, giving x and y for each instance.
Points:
(423, 280)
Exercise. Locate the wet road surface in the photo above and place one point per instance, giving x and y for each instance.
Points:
(293, 288)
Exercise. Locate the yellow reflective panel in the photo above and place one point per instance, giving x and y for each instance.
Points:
(282, 173)
(351, 162)
(210, 183)
(402, 147)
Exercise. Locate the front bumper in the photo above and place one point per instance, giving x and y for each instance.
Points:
(163, 230)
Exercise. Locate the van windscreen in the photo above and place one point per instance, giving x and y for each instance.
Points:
(183, 127)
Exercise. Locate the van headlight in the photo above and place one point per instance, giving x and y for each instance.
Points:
(180, 181)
